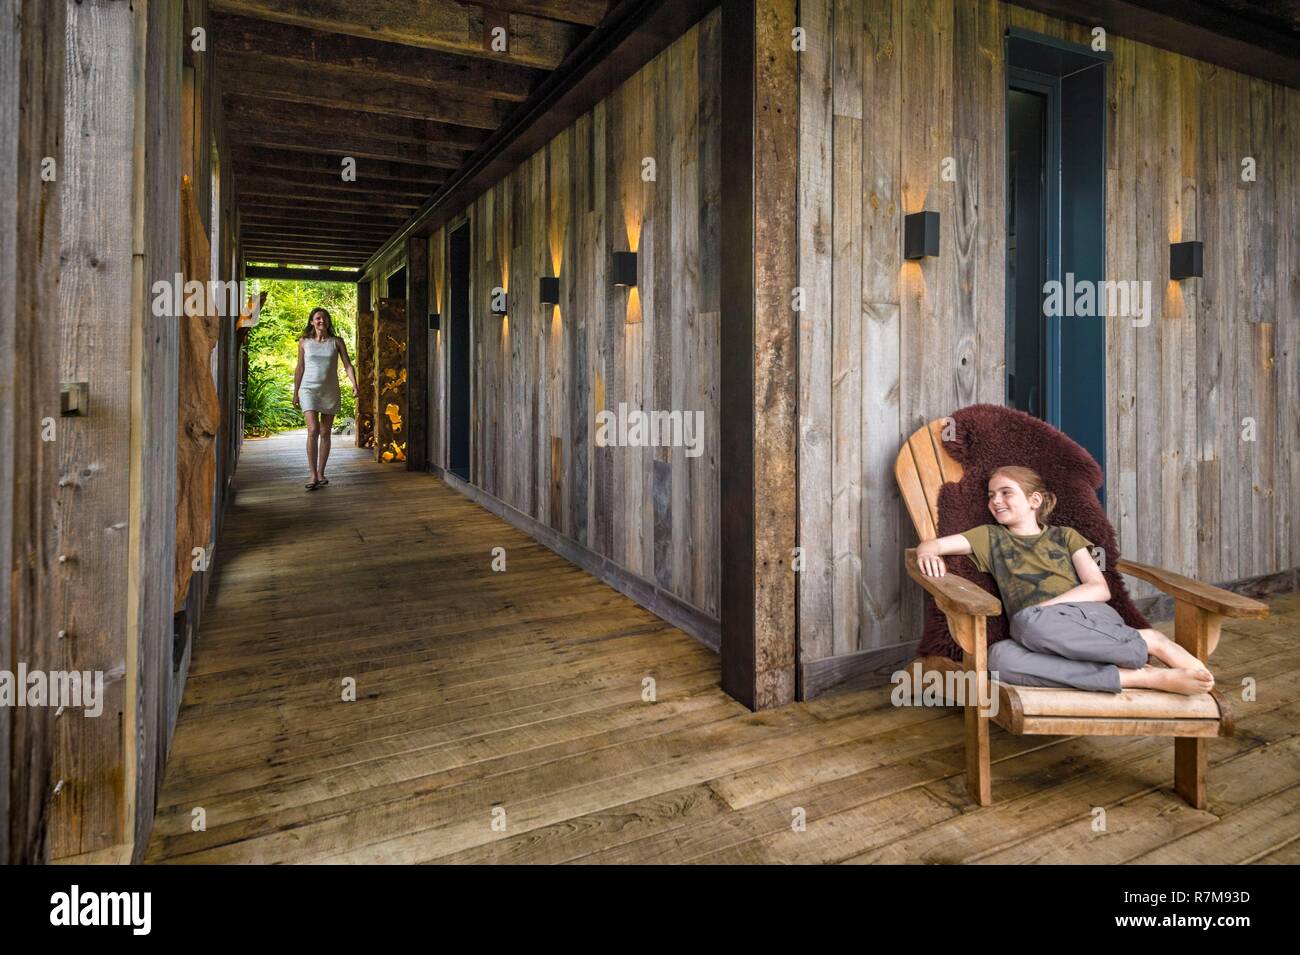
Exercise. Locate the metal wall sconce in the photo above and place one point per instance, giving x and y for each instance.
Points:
(1186, 260)
(549, 291)
(920, 235)
(624, 268)
(435, 321)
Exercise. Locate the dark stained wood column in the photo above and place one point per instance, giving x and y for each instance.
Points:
(417, 353)
(31, 128)
(758, 366)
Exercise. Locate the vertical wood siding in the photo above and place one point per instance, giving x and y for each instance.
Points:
(889, 89)
(541, 374)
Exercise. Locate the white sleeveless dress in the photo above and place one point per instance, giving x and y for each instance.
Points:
(319, 389)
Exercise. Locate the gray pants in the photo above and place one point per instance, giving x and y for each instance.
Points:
(1074, 645)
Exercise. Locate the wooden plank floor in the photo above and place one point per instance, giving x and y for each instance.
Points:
(499, 717)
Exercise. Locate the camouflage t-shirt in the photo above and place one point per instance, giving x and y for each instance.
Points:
(1028, 569)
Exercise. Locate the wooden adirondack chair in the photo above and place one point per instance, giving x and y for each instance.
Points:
(922, 467)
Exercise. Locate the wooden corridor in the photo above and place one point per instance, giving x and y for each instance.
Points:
(481, 693)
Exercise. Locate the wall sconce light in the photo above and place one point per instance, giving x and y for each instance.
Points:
(435, 321)
(1186, 260)
(500, 304)
(549, 292)
(920, 235)
(625, 268)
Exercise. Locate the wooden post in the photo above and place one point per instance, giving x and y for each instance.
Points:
(363, 357)
(31, 129)
(758, 407)
(417, 353)
(1194, 630)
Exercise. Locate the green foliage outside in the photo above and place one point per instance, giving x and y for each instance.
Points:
(273, 350)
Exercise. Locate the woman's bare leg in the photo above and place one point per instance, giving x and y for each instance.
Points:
(313, 435)
(326, 429)
(1172, 679)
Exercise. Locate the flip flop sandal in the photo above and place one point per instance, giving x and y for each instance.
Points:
(323, 481)
(312, 486)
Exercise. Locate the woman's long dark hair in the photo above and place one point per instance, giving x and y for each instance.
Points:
(308, 332)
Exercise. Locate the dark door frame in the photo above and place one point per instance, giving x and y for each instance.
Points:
(1073, 77)
(459, 352)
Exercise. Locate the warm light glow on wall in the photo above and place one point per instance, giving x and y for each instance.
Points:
(557, 324)
(556, 236)
(912, 279)
(633, 305)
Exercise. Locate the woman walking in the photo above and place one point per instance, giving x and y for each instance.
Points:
(316, 388)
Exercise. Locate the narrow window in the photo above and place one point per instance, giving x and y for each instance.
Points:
(1056, 234)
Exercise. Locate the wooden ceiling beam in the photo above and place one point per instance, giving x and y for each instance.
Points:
(446, 25)
(316, 181)
(290, 229)
(367, 170)
(247, 74)
(325, 243)
(251, 187)
(300, 275)
(328, 122)
(588, 13)
(299, 256)
(282, 43)
(328, 143)
(273, 211)
(296, 257)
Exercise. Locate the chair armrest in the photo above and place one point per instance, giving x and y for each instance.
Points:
(953, 594)
(1209, 598)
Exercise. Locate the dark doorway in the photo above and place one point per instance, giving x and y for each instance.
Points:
(458, 354)
(1027, 212)
(1056, 234)
(397, 284)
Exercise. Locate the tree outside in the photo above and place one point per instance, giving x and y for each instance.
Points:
(273, 350)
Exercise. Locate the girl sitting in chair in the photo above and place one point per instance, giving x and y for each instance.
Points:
(1063, 633)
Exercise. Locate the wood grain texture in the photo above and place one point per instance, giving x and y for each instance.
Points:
(543, 373)
(1185, 489)
(95, 317)
(439, 25)
(32, 58)
(156, 369)
(521, 691)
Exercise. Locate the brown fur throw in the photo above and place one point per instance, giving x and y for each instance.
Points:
(987, 437)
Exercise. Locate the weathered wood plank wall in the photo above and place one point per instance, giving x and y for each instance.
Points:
(156, 370)
(31, 129)
(541, 374)
(891, 89)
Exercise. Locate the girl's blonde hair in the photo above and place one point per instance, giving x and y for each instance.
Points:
(1030, 483)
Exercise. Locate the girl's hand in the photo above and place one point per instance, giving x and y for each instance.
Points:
(928, 559)
(295, 400)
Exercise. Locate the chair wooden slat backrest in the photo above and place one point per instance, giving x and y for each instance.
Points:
(922, 467)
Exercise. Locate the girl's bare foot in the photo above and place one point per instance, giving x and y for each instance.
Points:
(1189, 682)
(1170, 653)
